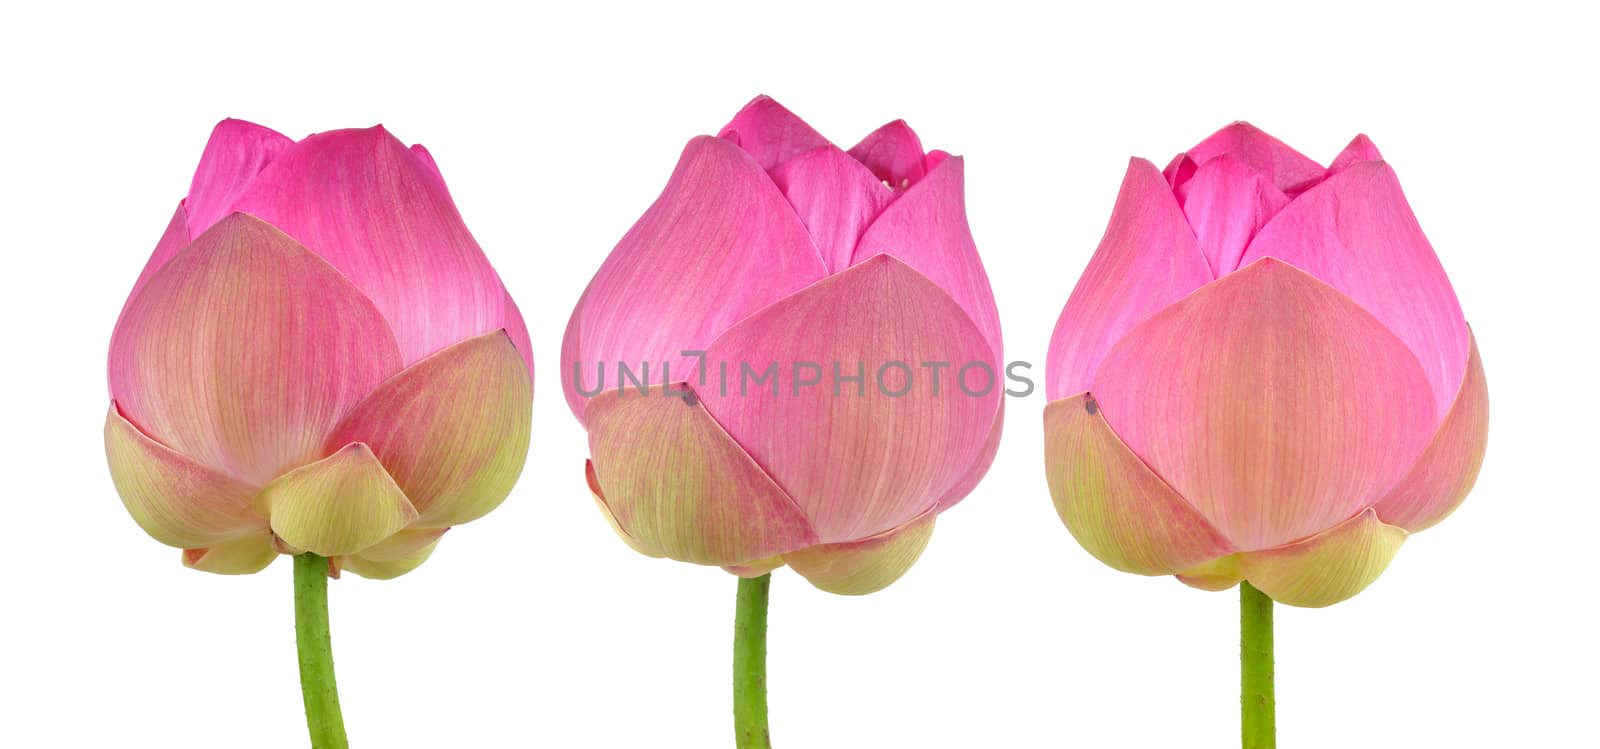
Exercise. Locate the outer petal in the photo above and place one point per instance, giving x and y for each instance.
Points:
(755, 568)
(369, 206)
(867, 566)
(611, 519)
(1147, 260)
(1356, 232)
(676, 483)
(859, 460)
(1360, 149)
(237, 152)
(1287, 169)
(245, 350)
(927, 229)
(1226, 203)
(388, 567)
(1270, 401)
(1218, 574)
(339, 505)
(980, 465)
(720, 243)
(175, 238)
(1115, 506)
(451, 429)
(1440, 480)
(836, 198)
(174, 499)
(894, 154)
(244, 555)
(770, 133)
(1328, 567)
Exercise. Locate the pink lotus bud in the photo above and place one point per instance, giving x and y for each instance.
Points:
(317, 358)
(1263, 374)
(772, 273)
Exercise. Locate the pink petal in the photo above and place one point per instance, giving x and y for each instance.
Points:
(975, 473)
(1282, 166)
(770, 133)
(1274, 404)
(677, 484)
(894, 154)
(1147, 260)
(1226, 203)
(174, 499)
(926, 228)
(1356, 232)
(1327, 568)
(371, 208)
(1444, 474)
(245, 350)
(867, 566)
(836, 198)
(451, 429)
(720, 243)
(235, 155)
(174, 239)
(859, 461)
(1361, 149)
(1115, 506)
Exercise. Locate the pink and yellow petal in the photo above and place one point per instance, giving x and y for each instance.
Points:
(342, 504)
(867, 566)
(676, 483)
(452, 429)
(1218, 574)
(245, 350)
(720, 243)
(611, 519)
(176, 500)
(860, 459)
(1271, 402)
(755, 567)
(243, 555)
(1328, 567)
(1147, 260)
(389, 566)
(1119, 510)
(1444, 474)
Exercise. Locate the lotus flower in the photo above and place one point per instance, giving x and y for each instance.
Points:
(1262, 375)
(772, 246)
(317, 358)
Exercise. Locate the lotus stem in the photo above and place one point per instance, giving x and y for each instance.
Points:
(1257, 703)
(317, 685)
(750, 664)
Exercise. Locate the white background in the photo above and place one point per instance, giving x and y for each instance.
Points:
(556, 127)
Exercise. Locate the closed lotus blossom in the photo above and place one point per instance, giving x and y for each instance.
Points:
(317, 358)
(1262, 375)
(770, 245)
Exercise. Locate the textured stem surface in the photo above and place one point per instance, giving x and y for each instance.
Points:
(750, 664)
(1257, 703)
(317, 686)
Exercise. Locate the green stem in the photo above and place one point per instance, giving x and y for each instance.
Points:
(1257, 703)
(750, 664)
(317, 686)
